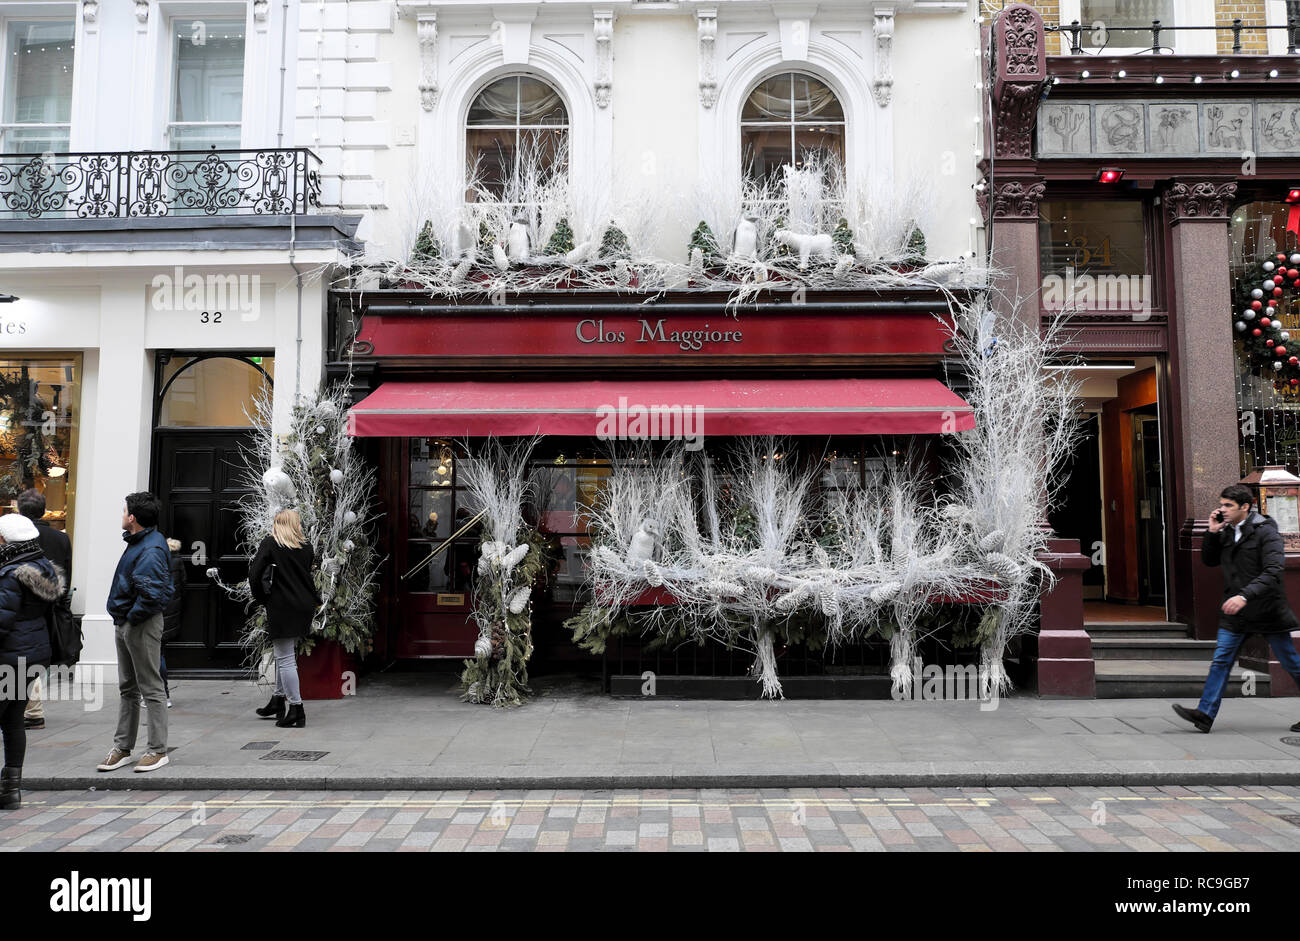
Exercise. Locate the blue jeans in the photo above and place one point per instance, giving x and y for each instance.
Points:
(1225, 654)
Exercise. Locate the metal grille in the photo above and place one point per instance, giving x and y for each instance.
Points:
(153, 184)
(286, 754)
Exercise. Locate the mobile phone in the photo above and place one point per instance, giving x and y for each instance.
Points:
(1218, 515)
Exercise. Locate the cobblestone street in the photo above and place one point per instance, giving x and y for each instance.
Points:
(1177, 819)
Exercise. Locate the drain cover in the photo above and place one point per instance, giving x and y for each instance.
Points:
(1292, 740)
(259, 746)
(287, 754)
(232, 839)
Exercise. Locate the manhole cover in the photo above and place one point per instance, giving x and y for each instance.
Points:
(259, 746)
(287, 754)
(1292, 740)
(231, 839)
(1293, 819)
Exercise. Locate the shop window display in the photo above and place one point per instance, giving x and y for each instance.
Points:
(38, 431)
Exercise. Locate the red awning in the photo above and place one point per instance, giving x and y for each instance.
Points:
(661, 409)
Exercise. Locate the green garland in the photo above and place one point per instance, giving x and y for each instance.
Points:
(501, 678)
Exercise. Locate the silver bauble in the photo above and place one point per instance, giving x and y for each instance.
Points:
(1248, 314)
(1257, 293)
(1295, 259)
(1241, 326)
(320, 429)
(1284, 335)
(1277, 364)
(1269, 266)
(336, 476)
(483, 648)
(349, 518)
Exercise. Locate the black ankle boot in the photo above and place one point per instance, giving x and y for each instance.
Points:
(272, 710)
(295, 718)
(11, 782)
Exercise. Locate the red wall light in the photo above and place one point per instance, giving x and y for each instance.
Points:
(1293, 194)
(1110, 175)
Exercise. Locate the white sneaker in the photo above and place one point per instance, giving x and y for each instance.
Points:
(150, 762)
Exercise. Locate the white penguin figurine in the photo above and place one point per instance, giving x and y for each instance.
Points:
(747, 237)
(643, 542)
(499, 257)
(464, 241)
(517, 241)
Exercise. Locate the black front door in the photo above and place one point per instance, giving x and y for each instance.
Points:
(197, 475)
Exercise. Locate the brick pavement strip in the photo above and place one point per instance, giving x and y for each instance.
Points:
(1003, 819)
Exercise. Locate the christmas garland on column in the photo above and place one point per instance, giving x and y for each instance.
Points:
(1262, 301)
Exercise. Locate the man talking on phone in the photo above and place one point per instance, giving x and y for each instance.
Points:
(1249, 548)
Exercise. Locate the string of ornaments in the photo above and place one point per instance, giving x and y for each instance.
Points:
(1260, 327)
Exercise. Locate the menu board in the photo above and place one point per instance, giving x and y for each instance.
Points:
(1286, 510)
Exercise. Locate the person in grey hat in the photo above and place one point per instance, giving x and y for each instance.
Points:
(29, 586)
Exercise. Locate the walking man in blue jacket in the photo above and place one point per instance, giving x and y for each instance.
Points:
(141, 588)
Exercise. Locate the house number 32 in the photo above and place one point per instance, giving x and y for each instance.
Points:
(210, 317)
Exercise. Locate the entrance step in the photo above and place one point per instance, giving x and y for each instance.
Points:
(1151, 648)
(1166, 679)
(1098, 629)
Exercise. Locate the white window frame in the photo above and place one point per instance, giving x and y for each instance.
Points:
(173, 68)
(6, 23)
(466, 127)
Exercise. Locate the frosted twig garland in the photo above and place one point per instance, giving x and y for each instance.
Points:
(1011, 465)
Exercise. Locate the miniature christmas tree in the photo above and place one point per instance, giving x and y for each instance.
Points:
(915, 251)
(843, 237)
(702, 239)
(561, 241)
(426, 246)
(614, 244)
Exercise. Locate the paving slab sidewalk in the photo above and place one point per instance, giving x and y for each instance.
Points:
(411, 731)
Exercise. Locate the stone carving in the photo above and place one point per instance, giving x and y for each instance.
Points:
(603, 30)
(1200, 199)
(706, 25)
(89, 11)
(882, 86)
(260, 10)
(1227, 127)
(1279, 127)
(142, 11)
(982, 188)
(1119, 128)
(1063, 123)
(1022, 42)
(1016, 110)
(1173, 129)
(426, 32)
(1017, 199)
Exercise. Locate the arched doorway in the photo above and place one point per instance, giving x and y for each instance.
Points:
(202, 423)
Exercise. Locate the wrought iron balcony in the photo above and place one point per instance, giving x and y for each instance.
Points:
(1153, 40)
(153, 184)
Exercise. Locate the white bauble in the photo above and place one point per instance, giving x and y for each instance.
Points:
(1270, 311)
(483, 647)
(1269, 266)
(1248, 315)
(349, 545)
(278, 483)
(1295, 259)
(320, 429)
(746, 245)
(213, 572)
(349, 518)
(1257, 293)
(1269, 285)
(1241, 326)
(336, 476)
(326, 408)
(1285, 335)
(1277, 364)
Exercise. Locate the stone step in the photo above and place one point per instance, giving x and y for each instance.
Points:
(1135, 629)
(1166, 679)
(1152, 648)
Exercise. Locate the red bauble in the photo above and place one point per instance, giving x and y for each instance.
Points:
(1293, 273)
(1264, 321)
(1295, 382)
(1280, 350)
(1268, 342)
(1294, 360)
(1256, 305)
(1277, 292)
(1256, 332)
(1281, 257)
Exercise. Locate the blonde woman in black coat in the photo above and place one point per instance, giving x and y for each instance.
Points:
(280, 577)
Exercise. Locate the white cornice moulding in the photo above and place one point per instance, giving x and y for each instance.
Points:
(426, 31)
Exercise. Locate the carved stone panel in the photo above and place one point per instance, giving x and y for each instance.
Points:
(1065, 128)
(1172, 128)
(1278, 127)
(1226, 127)
(1119, 128)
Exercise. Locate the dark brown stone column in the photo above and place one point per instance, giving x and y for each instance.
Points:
(1203, 443)
(1015, 246)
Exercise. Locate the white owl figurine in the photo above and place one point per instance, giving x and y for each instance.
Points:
(643, 542)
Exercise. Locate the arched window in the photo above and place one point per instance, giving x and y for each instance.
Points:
(514, 123)
(787, 117)
(211, 390)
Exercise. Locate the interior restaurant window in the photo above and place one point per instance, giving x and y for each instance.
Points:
(1268, 410)
(1121, 24)
(39, 398)
(206, 391)
(516, 125)
(208, 84)
(37, 77)
(1092, 254)
(785, 119)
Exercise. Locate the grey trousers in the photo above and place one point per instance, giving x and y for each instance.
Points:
(286, 670)
(138, 649)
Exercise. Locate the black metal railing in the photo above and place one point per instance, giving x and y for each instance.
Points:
(1157, 32)
(152, 184)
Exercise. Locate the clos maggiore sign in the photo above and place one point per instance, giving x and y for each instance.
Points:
(393, 332)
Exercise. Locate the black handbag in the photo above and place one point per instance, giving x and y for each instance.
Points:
(268, 580)
(65, 634)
